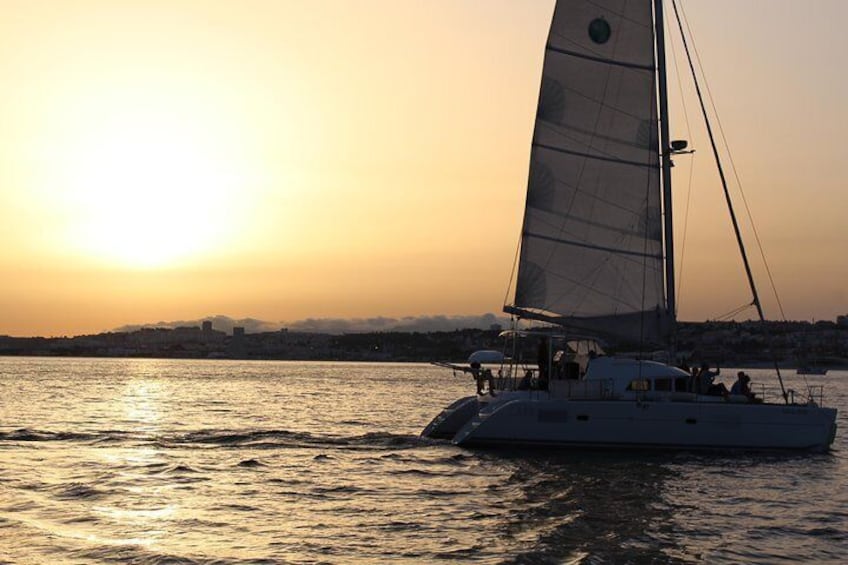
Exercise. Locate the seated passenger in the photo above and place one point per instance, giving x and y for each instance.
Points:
(742, 386)
(718, 390)
(526, 381)
(706, 384)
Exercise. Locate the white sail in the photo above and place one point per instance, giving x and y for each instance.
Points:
(591, 248)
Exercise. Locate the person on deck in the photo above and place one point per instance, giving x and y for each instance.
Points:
(706, 384)
(526, 380)
(482, 377)
(477, 373)
(692, 379)
(742, 386)
(544, 363)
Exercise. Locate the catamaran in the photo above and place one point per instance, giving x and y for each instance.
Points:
(596, 259)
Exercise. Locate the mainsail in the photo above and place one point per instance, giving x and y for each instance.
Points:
(592, 240)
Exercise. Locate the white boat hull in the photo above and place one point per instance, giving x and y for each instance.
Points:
(534, 418)
(452, 418)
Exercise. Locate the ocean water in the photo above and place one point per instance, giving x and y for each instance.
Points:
(218, 462)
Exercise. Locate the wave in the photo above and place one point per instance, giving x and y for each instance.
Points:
(77, 491)
(141, 555)
(282, 439)
(251, 463)
(254, 439)
(26, 435)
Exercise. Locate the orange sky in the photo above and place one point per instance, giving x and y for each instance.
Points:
(280, 160)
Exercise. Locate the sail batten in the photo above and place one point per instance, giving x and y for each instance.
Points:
(592, 156)
(592, 244)
(587, 245)
(601, 59)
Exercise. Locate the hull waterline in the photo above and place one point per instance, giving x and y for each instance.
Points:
(532, 418)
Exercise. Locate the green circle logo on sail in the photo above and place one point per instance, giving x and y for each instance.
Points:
(599, 30)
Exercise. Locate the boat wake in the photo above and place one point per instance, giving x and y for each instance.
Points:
(253, 439)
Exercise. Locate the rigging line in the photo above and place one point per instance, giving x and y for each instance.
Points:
(727, 193)
(515, 265)
(732, 313)
(513, 272)
(645, 240)
(659, 112)
(735, 171)
(685, 224)
(678, 74)
(806, 383)
(733, 219)
(666, 195)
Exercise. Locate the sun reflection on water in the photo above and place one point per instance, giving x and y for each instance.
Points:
(143, 507)
(141, 404)
(146, 508)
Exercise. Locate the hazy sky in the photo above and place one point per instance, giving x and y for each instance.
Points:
(355, 158)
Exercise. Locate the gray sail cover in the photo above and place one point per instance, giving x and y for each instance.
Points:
(591, 247)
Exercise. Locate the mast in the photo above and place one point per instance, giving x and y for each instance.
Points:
(665, 153)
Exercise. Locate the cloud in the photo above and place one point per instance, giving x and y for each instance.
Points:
(406, 324)
(339, 325)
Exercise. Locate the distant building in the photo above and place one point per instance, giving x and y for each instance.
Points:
(185, 334)
(210, 335)
(842, 320)
(237, 343)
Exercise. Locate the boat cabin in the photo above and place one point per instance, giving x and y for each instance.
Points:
(631, 378)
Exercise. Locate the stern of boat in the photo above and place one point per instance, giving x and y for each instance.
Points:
(452, 419)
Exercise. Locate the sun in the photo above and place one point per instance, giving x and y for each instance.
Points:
(150, 189)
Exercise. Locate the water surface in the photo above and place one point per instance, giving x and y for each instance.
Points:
(154, 461)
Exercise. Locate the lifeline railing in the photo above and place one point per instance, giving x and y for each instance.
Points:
(814, 394)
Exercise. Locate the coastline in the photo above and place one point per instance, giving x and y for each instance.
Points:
(728, 344)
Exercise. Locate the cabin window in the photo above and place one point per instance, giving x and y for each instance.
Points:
(662, 384)
(680, 384)
(639, 384)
